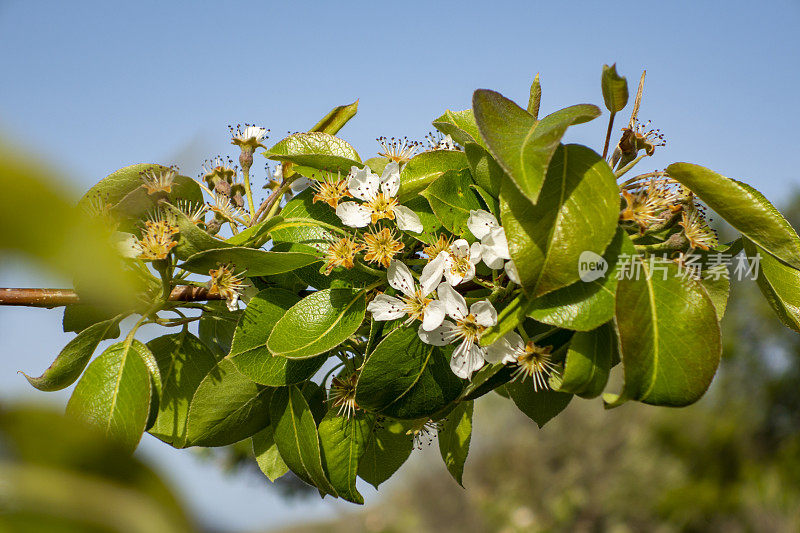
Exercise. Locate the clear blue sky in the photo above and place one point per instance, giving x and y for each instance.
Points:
(99, 85)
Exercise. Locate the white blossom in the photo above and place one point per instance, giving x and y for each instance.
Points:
(469, 324)
(379, 200)
(494, 245)
(415, 303)
(530, 359)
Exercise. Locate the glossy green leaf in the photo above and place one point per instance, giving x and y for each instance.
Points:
(386, 451)
(588, 361)
(377, 164)
(585, 305)
(316, 150)
(522, 145)
(114, 393)
(779, 284)
(251, 235)
(431, 225)
(451, 199)
(486, 380)
(425, 168)
(267, 454)
(343, 441)
(576, 214)
(78, 317)
(615, 89)
(485, 170)
(535, 98)
(716, 281)
(407, 379)
(319, 322)
(507, 319)
(669, 338)
(192, 239)
(183, 361)
(336, 118)
(216, 329)
(306, 222)
(540, 406)
(73, 358)
(253, 262)
(297, 438)
(744, 208)
(460, 125)
(454, 438)
(226, 408)
(249, 349)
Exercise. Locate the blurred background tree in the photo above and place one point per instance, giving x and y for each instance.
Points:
(729, 463)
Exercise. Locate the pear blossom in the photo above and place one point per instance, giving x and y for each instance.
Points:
(494, 245)
(457, 264)
(415, 303)
(378, 196)
(469, 324)
(531, 360)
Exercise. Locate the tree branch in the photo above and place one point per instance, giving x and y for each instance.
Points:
(59, 297)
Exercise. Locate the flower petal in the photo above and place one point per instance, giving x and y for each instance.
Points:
(400, 277)
(390, 179)
(505, 349)
(491, 258)
(467, 358)
(511, 272)
(126, 244)
(496, 240)
(460, 248)
(475, 252)
(484, 312)
(454, 303)
(434, 315)
(363, 184)
(432, 273)
(353, 214)
(385, 307)
(300, 184)
(480, 222)
(440, 336)
(407, 220)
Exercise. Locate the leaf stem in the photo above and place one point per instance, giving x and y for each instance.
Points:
(608, 133)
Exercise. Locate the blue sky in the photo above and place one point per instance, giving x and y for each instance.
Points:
(94, 86)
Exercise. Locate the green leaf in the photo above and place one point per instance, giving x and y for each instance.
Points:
(297, 439)
(716, 281)
(216, 329)
(114, 393)
(507, 319)
(319, 322)
(451, 199)
(540, 406)
(588, 361)
(779, 284)
(192, 239)
(460, 125)
(386, 451)
(485, 170)
(183, 361)
(343, 441)
(267, 455)
(316, 150)
(744, 208)
(522, 145)
(535, 98)
(336, 118)
(431, 226)
(486, 380)
(577, 213)
(669, 338)
(425, 168)
(306, 222)
(226, 408)
(249, 349)
(454, 437)
(615, 89)
(377, 164)
(73, 358)
(78, 317)
(249, 236)
(585, 305)
(407, 379)
(119, 185)
(254, 262)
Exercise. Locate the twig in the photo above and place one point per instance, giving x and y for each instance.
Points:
(50, 298)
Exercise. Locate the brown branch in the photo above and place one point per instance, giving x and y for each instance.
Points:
(59, 297)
